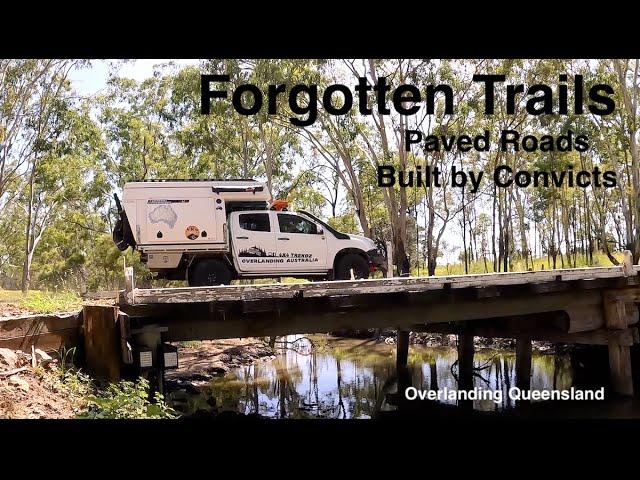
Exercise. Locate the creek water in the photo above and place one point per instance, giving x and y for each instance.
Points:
(351, 378)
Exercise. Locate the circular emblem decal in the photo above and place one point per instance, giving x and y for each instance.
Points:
(192, 232)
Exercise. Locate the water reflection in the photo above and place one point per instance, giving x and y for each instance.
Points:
(345, 378)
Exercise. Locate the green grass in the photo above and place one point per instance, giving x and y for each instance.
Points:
(39, 301)
(599, 260)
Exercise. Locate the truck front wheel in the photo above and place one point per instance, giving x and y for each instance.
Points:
(352, 262)
(210, 271)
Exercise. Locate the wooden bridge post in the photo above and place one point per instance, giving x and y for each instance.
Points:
(619, 355)
(389, 272)
(102, 341)
(465, 365)
(402, 359)
(523, 363)
(627, 263)
(129, 285)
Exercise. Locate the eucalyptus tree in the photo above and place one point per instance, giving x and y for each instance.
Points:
(28, 89)
(226, 144)
(629, 88)
(444, 204)
(36, 103)
(64, 177)
(135, 122)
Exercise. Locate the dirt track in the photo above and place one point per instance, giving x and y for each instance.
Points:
(27, 392)
(10, 310)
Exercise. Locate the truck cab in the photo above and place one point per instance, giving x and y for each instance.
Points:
(212, 232)
(288, 244)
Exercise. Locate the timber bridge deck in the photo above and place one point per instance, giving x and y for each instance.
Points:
(583, 305)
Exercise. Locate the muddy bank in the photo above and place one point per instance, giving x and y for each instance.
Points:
(199, 362)
(32, 388)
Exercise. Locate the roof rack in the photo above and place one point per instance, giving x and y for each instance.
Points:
(158, 180)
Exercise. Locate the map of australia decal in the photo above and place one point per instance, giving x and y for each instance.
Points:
(164, 214)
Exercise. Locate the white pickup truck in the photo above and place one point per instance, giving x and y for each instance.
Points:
(210, 232)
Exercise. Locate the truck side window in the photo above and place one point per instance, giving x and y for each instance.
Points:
(295, 224)
(256, 222)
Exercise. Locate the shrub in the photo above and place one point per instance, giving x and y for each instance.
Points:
(127, 399)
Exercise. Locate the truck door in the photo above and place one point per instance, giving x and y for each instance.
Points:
(254, 244)
(300, 243)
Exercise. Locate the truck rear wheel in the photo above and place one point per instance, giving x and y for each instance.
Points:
(352, 262)
(209, 271)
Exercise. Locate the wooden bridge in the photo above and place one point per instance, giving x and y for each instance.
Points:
(584, 305)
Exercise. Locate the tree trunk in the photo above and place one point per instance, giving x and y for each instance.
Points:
(26, 273)
(630, 104)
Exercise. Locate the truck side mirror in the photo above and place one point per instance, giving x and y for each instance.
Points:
(320, 231)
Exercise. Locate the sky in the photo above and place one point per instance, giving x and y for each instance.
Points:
(88, 81)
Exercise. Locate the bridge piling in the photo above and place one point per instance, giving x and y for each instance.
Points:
(523, 362)
(402, 348)
(466, 352)
(402, 358)
(615, 317)
(102, 341)
(523, 365)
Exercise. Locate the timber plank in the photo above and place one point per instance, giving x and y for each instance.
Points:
(38, 324)
(369, 286)
(49, 342)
